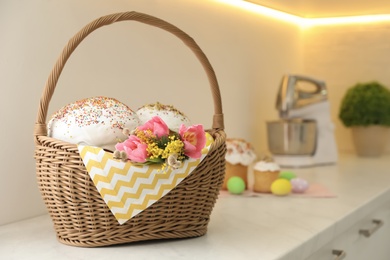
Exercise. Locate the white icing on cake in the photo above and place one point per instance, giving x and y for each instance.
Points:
(97, 121)
(168, 113)
(263, 166)
(239, 151)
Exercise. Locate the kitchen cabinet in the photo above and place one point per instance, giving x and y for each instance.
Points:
(368, 238)
(376, 246)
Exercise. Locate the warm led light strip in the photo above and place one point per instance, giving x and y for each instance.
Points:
(348, 19)
(306, 22)
(251, 7)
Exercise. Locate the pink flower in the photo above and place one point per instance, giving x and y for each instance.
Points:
(134, 148)
(156, 125)
(194, 140)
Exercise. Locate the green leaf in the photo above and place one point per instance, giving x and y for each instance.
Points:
(155, 160)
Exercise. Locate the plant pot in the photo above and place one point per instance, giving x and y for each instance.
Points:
(370, 141)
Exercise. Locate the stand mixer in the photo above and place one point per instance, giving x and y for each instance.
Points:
(297, 103)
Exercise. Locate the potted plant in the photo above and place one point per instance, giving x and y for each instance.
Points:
(366, 109)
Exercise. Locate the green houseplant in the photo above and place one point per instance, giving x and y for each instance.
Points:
(366, 109)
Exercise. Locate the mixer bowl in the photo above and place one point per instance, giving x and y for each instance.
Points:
(292, 136)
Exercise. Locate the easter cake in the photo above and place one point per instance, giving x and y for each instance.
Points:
(168, 113)
(239, 156)
(97, 121)
(266, 171)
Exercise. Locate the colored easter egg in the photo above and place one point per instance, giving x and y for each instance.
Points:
(281, 187)
(299, 185)
(236, 185)
(287, 175)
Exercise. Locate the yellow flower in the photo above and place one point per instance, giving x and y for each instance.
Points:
(145, 136)
(154, 151)
(173, 147)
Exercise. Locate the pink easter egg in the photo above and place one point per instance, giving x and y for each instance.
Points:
(299, 185)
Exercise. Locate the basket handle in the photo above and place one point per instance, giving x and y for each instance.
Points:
(40, 125)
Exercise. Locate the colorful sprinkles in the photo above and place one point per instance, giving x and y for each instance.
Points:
(92, 111)
(160, 110)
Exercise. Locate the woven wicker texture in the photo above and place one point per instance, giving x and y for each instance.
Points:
(79, 214)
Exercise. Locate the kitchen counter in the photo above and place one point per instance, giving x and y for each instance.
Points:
(265, 227)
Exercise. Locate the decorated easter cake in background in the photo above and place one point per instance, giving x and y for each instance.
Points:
(239, 156)
(97, 121)
(266, 171)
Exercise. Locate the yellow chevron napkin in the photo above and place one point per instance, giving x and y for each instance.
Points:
(129, 189)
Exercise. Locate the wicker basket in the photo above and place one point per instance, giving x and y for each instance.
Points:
(79, 214)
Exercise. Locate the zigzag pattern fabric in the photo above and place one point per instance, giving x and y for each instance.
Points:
(129, 189)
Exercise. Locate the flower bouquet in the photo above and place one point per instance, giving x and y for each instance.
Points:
(154, 143)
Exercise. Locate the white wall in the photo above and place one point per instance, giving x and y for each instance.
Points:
(136, 64)
(344, 55)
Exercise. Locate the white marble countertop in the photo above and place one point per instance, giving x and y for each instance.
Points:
(266, 227)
